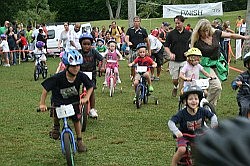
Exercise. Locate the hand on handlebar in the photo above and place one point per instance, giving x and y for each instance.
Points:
(43, 107)
(84, 100)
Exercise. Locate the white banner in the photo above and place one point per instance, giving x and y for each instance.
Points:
(193, 10)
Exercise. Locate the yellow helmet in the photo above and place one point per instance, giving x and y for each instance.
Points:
(193, 51)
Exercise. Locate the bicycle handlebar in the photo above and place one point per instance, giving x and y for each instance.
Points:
(53, 107)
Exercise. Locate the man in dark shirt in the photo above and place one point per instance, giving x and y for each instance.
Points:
(177, 43)
(134, 36)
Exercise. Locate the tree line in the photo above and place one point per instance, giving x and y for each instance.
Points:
(38, 11)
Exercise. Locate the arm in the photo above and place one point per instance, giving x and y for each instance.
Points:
(183, 77)
(234, 36)
(172, 55)
(174, 129)
(43, 106)
(148, 45)
(154, 64)
(206, 74)
(119, 54)
(214, 121)
(85, 99)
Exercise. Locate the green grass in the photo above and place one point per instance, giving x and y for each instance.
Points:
(122, 135)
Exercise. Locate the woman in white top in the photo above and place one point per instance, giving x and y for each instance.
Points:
(64, 37)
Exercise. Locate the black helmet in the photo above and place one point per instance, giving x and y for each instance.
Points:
(141, 45)
(187, 90)
(229, 144)
(246, 60)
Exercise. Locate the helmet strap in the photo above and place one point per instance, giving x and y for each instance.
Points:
(67, 69)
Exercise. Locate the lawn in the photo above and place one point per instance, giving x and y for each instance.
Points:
(122, 135)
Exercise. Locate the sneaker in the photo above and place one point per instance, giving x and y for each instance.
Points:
(134, 99)
(105, 82)
(6, 65)
(55, 133)
(81, 147)
(157, 79)
(174, 92)
(119, 80)
(93, 113)
(150, 88)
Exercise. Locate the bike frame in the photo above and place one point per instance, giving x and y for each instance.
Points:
(111, 74)
(67, 129)
(143, 84)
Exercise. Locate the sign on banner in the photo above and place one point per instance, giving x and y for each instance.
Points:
(193, 10)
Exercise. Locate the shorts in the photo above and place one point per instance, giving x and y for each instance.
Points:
(158, 57)
(175, 68)
(182, 142)
(138, 76)
(133, 55)
(74, 118)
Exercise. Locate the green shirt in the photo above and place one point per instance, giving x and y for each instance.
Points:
(2, 30)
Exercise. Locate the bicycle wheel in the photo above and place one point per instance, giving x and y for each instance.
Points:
(209, 107)
(84, 118)
(145, 97)
(68, 149)
(138, 97)
(44, 72)
(36, 73)
(111, 87)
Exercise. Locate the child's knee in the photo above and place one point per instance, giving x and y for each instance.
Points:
(181, 150)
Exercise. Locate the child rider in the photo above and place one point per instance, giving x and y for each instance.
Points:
(40, 52)
(90, 57)
(65, 87)
(190, 119)
(112, 54)
(242, 82)
(143, 60)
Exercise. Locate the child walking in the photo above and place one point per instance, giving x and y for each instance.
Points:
(112, 54)
(143, 60)
(90, 57)
(190, 119)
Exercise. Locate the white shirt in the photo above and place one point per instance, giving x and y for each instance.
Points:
(155, 44)
(74, 36)
(243, 28)
(5, 46)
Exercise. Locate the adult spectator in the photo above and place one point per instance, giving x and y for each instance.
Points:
(115, 32)
(177, 43)
(74, 37)
(164, 32)
(226, 42)
(157, 50)
(45, 31)
(243, 29)
(35, 34)
(4, 28)
(134, 36)
(207, 39)
(29, 38)
(102, 32)
(11, 39)
(64, 37)
(238, 23)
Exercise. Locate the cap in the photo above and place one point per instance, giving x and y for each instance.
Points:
(166, 24)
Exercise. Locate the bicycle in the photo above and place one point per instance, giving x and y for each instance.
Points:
(40, 68)
(68, 144)
(111, 79)
(204, 85)
(85, 108)
(142, 92)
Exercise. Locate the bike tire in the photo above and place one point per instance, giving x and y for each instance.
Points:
(181, 104)
(145, 97)
(68, 149)
(84, 118)
(138, 97)
(111, 87)
(36, 73)
(44, 72)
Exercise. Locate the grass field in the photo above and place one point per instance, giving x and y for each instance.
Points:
(122, 135)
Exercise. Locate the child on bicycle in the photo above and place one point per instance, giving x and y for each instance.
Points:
(112, 54)
(242, 82)
(101, 47)
(191, 70)
(143, 60)
(40, 52)
(190, 119)
(65, 87)
(61, 65)
(90, 57)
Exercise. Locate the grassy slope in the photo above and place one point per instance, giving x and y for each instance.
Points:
(122, 135)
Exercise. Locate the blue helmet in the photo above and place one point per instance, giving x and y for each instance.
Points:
(40, 44)
(72, 58)
(141, 45)
(3, 36)
(101, 40)
(85, 35)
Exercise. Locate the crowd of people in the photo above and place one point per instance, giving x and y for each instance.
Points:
(189, 51)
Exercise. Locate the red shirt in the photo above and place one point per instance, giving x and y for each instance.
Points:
(24, 41)
(144, 61)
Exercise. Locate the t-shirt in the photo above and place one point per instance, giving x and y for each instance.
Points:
(190, 123)
(64, 37)
(64, 92)
(178, 43)
(90, 60)
(211, 51)
(191, 71)
(2, 30)
(5, 46)
(74, 36)
(144, 61)
(136, 36)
